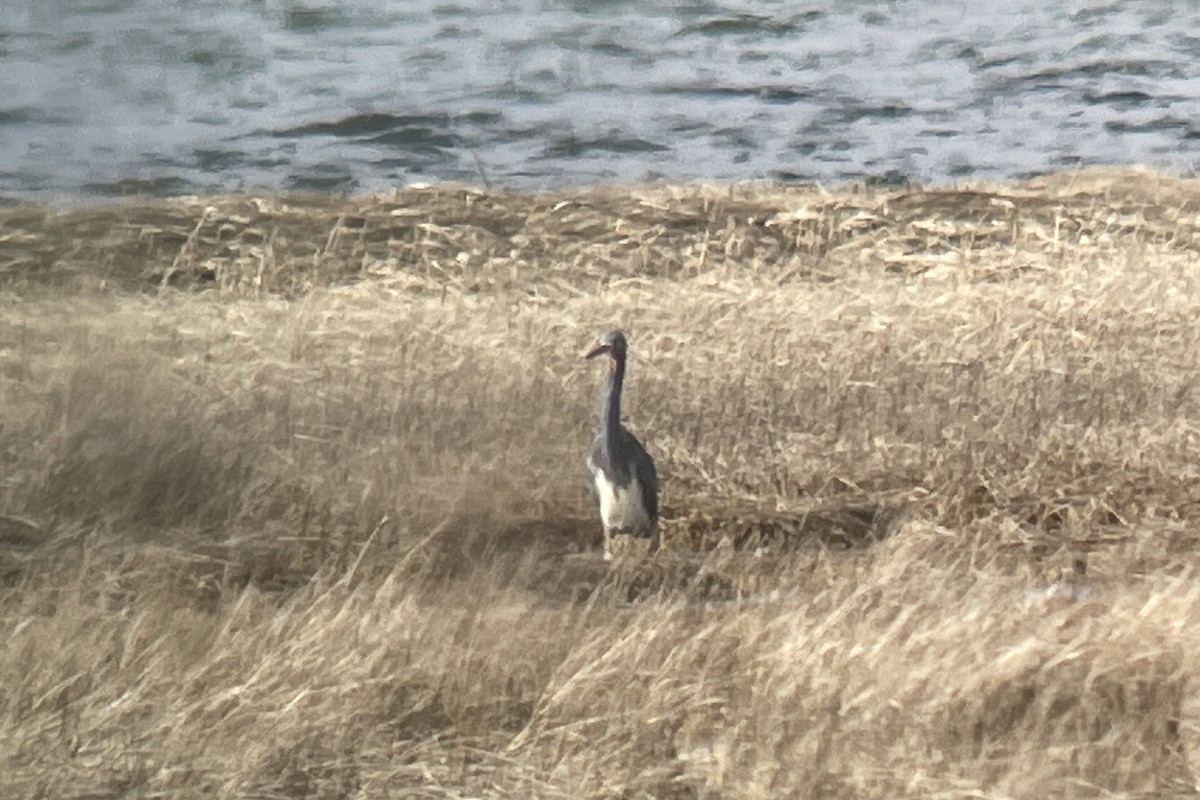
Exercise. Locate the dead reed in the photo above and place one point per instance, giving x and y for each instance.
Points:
(292, 505)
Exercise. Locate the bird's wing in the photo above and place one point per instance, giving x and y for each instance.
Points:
(646, 475)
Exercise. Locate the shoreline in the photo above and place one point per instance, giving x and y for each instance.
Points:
(289, 244)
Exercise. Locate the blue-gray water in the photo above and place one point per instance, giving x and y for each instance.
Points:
(106, 97)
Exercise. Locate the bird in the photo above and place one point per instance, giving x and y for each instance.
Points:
(623, 473)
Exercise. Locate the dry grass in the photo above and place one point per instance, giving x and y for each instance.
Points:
(292, 505)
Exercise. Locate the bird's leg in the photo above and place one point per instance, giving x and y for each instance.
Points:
(608, 554)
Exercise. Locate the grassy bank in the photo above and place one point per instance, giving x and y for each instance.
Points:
(292, 498)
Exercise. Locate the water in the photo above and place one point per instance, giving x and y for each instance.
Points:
(111, 97)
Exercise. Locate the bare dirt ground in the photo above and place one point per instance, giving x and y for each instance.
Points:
(292, 500)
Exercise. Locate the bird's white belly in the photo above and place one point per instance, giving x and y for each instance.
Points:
(621, 508)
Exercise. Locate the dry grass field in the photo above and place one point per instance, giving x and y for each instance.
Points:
(292, 501)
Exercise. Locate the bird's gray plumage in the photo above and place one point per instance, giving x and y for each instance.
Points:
(624, 479)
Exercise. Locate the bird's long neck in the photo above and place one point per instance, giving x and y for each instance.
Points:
(610, 419)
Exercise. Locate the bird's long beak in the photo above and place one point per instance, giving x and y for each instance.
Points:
(599, 349)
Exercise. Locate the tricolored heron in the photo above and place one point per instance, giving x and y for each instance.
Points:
(622, 471)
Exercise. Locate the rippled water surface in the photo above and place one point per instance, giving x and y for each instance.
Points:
(120, 96)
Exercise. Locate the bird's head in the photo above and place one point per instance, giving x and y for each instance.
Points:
(613, 343)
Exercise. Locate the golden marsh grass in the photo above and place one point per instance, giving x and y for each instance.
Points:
(292, 501)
